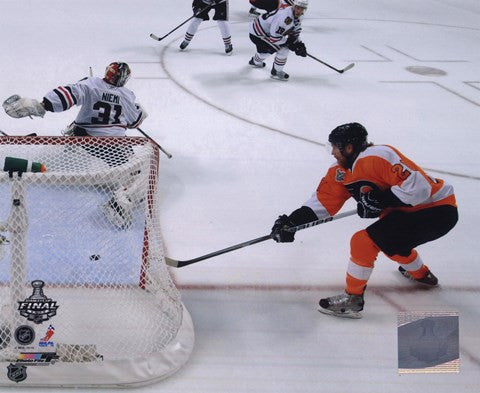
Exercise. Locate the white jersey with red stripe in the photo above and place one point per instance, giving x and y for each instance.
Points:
(106, 110)
(274, 27)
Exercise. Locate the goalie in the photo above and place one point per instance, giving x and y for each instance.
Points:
(108, 108)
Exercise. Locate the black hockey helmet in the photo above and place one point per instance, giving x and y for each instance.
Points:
(117, 74)
(349, 133)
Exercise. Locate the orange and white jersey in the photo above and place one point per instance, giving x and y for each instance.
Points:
(380, 167)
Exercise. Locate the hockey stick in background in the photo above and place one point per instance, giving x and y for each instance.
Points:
(329, 66)
(180, 25)
(176, 263)
(154, 142)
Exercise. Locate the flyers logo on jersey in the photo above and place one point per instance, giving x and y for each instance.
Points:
(339, 175)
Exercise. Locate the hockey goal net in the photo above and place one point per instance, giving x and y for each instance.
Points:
(84, 288)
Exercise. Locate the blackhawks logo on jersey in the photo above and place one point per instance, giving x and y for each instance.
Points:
(288, 20)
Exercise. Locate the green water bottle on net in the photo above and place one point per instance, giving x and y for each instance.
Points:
(14, 164)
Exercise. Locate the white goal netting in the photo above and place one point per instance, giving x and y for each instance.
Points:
(84, 289)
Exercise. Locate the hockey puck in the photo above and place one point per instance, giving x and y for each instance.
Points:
(94, 257)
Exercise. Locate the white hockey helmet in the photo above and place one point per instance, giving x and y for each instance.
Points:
(301, 3)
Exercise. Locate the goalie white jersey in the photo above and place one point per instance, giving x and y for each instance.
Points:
(106, 110)
(275, 27)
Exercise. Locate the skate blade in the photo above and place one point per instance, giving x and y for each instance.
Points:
(279, 79)
(351, 314)
(405, 274)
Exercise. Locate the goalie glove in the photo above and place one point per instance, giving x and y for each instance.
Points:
(18, 107)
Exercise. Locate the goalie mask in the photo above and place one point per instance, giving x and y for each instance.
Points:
(117, 74)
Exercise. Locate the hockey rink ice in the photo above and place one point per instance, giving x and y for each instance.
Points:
(247, 149)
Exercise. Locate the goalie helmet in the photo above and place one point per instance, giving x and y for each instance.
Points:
(349, 133)
(301, 3)
(117, 74)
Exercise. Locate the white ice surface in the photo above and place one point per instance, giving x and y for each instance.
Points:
(247, 148)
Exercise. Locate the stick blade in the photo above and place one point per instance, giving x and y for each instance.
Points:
(171, 262)
(155, 37)
(348, 67)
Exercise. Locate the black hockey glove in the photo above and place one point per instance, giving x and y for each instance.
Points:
(298, 217)
(300, 49)
(372, 203)
(291, 42)
(369, 205)
(279, 232)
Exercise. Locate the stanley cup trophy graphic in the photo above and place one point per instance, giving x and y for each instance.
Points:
(37, 290)
(37, 307)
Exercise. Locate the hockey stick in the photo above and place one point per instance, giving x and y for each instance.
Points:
(180, 25)
(176, 263)
(329, 66)
(154, 142)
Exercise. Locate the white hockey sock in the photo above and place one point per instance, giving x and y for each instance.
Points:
(192, 29)
(224, 29)
(279, 63)
(280, 59)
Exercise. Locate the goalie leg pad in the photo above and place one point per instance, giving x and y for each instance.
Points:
(119, 211)
(18, 107)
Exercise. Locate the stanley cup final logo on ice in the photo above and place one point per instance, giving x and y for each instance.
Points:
(37, 307)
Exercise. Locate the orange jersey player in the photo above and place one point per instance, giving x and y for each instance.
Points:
(413, 208)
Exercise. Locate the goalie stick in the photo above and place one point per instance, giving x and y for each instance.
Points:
(176, 263)
(157, 38)
(154, 142)
(329, 66)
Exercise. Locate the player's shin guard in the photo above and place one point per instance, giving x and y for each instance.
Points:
(363, 253)
(278, 64)
(226, 36)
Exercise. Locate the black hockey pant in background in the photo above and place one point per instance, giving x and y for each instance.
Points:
(112, 155)
(399, 232)
(267, 5)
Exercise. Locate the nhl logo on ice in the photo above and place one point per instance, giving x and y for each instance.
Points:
(16, 373)
(37, 307)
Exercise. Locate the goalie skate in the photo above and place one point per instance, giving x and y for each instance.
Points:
(343, 306)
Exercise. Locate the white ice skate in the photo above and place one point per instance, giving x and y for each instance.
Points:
(343, 306)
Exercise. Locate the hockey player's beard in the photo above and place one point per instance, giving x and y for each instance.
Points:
(346, 161)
